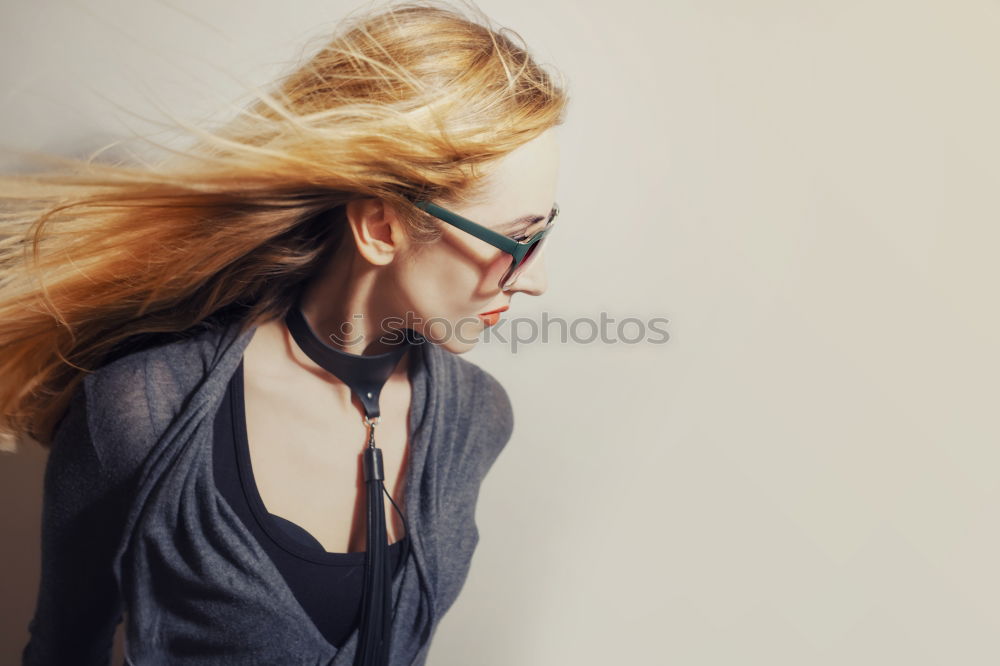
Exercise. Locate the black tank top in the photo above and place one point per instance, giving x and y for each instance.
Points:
(327, 585)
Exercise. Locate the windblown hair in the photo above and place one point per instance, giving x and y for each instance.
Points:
(409, 101)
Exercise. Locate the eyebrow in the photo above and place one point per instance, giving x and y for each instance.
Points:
(521, 221)
(526, 220)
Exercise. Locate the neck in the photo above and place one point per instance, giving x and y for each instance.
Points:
(366, 374)
(342, 307)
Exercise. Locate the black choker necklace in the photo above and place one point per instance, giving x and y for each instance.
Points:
(365, 375)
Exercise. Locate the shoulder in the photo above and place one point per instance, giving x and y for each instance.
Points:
(490, 400)
(478, 401)
(131, 398)
(474, 390)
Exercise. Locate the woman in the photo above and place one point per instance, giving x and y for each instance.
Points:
(235, 353)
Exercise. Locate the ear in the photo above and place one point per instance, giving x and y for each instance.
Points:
(378, 232)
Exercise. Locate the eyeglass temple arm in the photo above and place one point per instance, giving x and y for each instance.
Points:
(508, 245)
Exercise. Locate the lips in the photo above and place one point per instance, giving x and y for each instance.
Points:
(492, 318)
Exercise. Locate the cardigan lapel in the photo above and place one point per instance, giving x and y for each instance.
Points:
(180, 463)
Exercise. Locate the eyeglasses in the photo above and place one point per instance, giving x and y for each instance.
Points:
(522, 252)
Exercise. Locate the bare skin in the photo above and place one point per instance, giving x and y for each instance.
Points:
(304, 425)
(306, 436)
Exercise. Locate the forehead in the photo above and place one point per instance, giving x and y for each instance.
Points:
(536, 160)
(520, 183)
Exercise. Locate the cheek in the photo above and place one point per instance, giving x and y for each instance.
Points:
(438, 290)
(442, 294)
(492, 273)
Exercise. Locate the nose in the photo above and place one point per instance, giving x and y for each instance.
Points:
(533, 279)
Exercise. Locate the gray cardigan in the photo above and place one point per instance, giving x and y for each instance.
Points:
(133, 525)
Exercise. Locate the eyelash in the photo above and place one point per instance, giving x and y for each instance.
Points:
(523, 236)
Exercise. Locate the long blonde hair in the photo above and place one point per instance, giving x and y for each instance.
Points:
(404, 102)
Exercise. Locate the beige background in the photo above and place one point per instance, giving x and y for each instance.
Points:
(806, 473)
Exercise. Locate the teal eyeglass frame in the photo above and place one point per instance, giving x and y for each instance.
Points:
(519, 250)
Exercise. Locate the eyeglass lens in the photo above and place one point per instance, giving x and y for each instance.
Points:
(514, 272)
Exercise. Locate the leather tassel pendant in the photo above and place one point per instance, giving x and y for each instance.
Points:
(365, 375)
(375, 627)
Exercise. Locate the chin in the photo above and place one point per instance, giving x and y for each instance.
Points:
(457, 340)
(458, 347)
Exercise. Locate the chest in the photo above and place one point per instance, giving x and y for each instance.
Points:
(306, 442)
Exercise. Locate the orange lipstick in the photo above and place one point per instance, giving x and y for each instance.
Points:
(493, 316)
